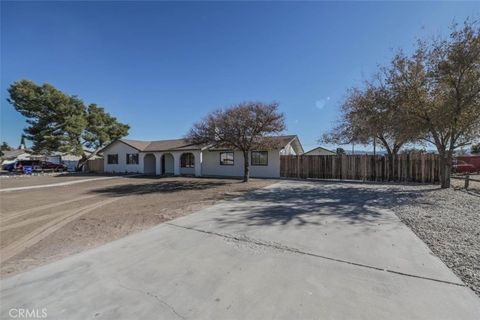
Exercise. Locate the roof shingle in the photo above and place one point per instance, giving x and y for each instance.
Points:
(183, 144)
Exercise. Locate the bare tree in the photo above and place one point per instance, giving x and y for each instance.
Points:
(371, 114)
(242, 127)
(439, 86)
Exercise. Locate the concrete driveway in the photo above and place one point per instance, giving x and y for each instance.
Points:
(295, 250)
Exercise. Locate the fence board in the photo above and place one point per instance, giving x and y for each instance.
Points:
(423, 168)
(94, 165)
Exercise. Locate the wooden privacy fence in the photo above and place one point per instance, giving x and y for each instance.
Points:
(405, 167)
(94, 165)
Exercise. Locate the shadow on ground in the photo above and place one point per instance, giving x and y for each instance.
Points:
(162, 186)
(304, 204)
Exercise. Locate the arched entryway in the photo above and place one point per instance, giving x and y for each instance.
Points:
(187, 163)
(149, 164)
(167, 164)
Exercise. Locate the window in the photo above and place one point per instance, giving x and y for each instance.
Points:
(187, 160)
(132, 158)
(226, 158)
(112, 159)
(259, 158)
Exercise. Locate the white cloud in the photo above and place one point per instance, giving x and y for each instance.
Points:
(320, 104)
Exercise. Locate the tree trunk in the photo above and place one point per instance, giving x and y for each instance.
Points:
(246, 172)
(81, 163)
(391, 165)
(446, 158)
(85, 158)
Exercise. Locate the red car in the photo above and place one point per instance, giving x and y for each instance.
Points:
(39, 166)
(54, 166)
(460, 166)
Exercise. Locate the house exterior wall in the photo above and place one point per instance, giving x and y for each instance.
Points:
(169, 163)
(122, 149)
(150, 164)
(207, 163)
(211, 165)
(288, 150)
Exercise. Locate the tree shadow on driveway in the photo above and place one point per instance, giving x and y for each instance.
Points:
(306, 203)
(160, 186)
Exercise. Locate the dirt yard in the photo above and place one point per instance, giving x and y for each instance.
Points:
(14, 181)
(42, 225)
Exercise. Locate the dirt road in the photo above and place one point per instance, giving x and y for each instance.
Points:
(42, 225)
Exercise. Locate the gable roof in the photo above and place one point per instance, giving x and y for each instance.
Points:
(137, 144)
(321, 149)
(273, 142)
(12, 154)
(157, 145)
(183, 144)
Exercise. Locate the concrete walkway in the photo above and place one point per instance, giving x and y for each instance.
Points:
(296, 250)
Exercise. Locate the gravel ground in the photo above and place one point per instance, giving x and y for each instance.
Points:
(448, 221)
(474, 185)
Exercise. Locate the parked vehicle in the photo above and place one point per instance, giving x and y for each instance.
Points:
(9, 165)
(36, 165)
(460, 166)
(54, 166)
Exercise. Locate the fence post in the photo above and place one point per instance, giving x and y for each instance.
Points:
(467, 181)
(298, 166)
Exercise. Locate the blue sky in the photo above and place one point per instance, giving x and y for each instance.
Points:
(161, 66)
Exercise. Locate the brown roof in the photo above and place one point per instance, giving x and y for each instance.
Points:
(280, 141)
(272, 142)
(326, 151)
(161, 145)
(137, 144)
(182, 144)
(12, 154)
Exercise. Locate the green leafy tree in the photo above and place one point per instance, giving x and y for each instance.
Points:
(241, 127)
(55, 120)
(5, 146)
(340, 151)
(60, 122)
(101, 129)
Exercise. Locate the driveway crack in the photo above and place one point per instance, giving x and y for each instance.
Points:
(162, 302)
(298, 251)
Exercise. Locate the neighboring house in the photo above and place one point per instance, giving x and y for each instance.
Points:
(178, 157)
(15, 155)
(71, 161)
(319, 151)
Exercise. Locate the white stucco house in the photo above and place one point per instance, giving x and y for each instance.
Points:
(178, 157)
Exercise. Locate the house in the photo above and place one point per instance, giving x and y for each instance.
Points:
(320, 151)
(179, 157)
(71, 161)
(15, 155)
